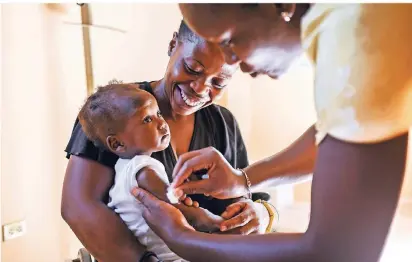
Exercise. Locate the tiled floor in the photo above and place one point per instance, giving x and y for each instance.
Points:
(398, 247)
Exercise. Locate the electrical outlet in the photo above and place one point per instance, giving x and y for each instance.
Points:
(14, 230)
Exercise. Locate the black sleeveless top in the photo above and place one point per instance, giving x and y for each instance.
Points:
(214, 126)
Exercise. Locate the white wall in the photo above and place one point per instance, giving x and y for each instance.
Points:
(1, 105)
(43, 84)
(139, 54)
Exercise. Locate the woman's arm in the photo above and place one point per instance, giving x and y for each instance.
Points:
(295, 163)
(355, 189)
(100, 230)
(292, 164)
(242, 216)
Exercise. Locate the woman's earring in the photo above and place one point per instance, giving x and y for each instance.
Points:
(286, 16)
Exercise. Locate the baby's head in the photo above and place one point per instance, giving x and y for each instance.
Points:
(125, 120)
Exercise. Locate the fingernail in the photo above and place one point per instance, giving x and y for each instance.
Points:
(134, 191)
(223, 228)
(178, 193)
(224, 214)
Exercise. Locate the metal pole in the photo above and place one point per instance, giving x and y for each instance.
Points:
(87, 20)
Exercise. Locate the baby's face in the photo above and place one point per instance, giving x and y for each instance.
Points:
(146, 131)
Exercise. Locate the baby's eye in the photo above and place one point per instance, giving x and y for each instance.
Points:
(147, 119)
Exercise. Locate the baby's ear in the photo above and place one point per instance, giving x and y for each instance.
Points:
(115, 145)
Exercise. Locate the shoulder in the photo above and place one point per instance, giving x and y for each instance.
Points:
(139, 164)
(146, 173)
(150, 177)
(144, 85)
(363, 92)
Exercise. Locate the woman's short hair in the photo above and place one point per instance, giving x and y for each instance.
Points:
(186, 34)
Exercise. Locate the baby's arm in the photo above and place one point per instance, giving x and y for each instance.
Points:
(200, 218)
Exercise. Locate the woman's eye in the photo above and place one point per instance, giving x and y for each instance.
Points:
(219, 83)
(225, 43)
(147, 119)
(227, 48)
(192, 71)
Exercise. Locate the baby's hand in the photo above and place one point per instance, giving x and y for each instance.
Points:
(186, 200)
(205, 221)
(189, 202)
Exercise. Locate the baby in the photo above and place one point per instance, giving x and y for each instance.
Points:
(126, 120)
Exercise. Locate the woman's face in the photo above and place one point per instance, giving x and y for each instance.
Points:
(257, 37)
(196, 75)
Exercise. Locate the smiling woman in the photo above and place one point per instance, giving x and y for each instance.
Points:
(195, 78)
(202, 63)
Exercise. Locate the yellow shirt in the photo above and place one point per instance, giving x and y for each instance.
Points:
(362, 55)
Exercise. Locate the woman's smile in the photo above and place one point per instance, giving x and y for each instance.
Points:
(189, 100)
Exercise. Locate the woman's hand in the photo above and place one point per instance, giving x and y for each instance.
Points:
(245, 217)
(164, 219)
(224, 181)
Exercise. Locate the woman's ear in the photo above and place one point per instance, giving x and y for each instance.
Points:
(172, 44)
(115, 145)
